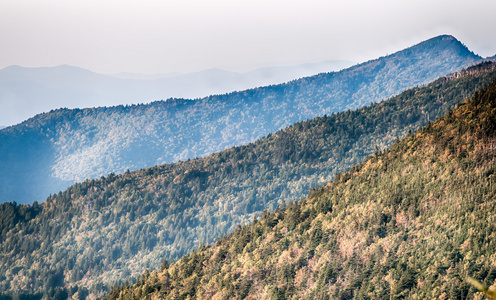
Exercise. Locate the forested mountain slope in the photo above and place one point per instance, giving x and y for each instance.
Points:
(411, 222)
(100, 231)
(51, 151)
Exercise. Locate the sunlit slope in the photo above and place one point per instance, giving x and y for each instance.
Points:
(101, 232)
(412, 222)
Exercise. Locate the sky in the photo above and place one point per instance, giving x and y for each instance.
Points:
(148, 36)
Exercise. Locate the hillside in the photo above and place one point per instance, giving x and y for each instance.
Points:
(100, 231)
(411, 222)
(51, 151)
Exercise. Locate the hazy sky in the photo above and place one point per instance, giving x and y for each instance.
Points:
(148, 36)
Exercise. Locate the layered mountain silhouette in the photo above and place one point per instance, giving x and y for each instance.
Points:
(51, 151)
(101, 232)
(25, 92)
(412, 222)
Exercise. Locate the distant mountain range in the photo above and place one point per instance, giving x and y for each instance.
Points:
(100, 232)
(51, 151)
(25, 92)
(261, 76)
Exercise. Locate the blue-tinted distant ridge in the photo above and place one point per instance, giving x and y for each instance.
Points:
(50, 151)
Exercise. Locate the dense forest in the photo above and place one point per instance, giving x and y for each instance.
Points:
(52, 151)
(100, 232)
(411, 222)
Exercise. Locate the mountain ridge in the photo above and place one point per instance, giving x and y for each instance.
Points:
(412, 222)
(97, 232)
(43, 89)
(89, 143)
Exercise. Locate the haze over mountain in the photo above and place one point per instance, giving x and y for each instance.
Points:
(138, 76)
(266, 75)
(100, 231)
(25, 92)
(51, 151)
(412, 222)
